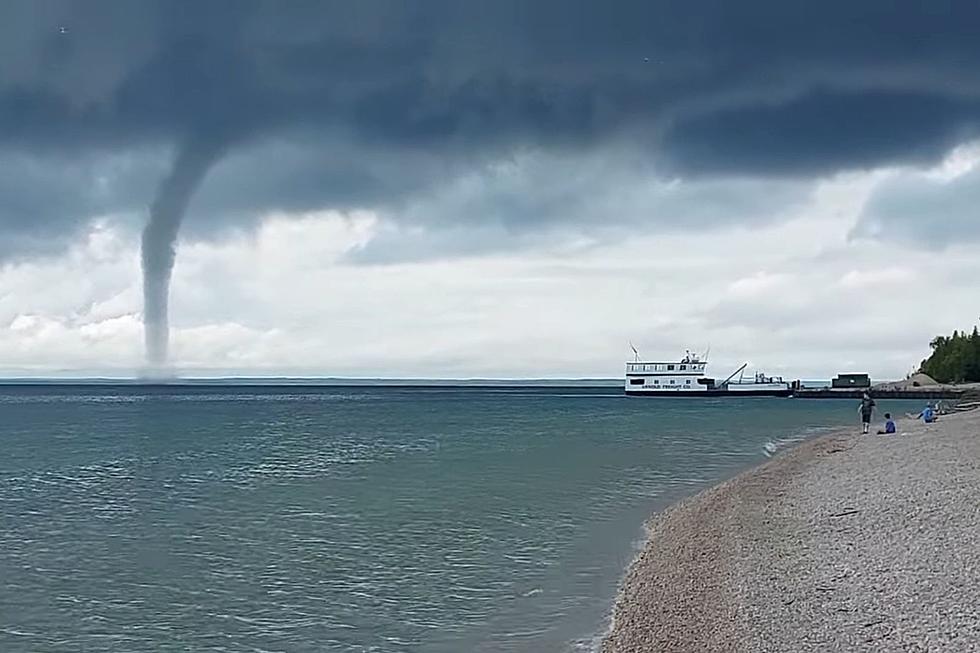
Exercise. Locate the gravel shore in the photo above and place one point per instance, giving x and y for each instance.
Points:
(843, 543)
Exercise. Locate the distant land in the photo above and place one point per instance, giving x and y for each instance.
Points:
(304, 381)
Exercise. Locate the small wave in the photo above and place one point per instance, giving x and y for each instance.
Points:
(591, 643)
(771, 447)
(71, 399)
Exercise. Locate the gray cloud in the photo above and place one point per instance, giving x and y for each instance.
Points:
(45, 202)
(381, 104)
(534, 200)
(824, 132)
(922, 211)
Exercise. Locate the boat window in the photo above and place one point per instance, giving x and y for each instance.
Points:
(670, 367)
(636, 381)
(656, 382)
(688, 382)
(683, 367)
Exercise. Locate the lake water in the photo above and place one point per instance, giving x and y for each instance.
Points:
(346, 519)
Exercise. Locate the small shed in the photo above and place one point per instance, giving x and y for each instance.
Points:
(851, 381)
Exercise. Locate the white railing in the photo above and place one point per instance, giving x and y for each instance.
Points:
(677, 368)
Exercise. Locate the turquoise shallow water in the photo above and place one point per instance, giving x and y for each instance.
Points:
(346, 519)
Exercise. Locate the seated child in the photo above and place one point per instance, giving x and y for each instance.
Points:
(928, 415)
(889, 425)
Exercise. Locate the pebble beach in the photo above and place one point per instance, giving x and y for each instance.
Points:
(843, 543)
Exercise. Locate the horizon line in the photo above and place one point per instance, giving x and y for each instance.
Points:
(152, 380)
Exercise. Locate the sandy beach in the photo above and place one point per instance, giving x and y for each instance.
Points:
(843, 543)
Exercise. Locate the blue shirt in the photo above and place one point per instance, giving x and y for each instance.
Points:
(927, 414)
(889, 426)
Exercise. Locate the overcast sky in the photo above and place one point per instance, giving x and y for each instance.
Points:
(458, 188)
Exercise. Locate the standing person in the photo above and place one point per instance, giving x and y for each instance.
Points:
(866, 408)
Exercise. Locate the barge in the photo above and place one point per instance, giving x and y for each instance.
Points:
(688, 377)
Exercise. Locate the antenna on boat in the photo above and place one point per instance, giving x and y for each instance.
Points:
(636, 354)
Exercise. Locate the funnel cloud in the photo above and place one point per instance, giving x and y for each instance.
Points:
(159, 245)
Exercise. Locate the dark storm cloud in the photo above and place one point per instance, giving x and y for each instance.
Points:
(922, 211)
(825, 131)
(374, 103)
(43, 201)
(545, 200)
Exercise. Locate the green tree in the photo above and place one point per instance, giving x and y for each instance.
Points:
(954, 359)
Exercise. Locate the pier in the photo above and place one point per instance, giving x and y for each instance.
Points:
(933, 393)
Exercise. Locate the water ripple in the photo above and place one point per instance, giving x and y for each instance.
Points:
(376, 521)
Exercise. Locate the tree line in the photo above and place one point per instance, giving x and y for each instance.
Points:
(955, 359)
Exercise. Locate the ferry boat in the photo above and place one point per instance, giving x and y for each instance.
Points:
(688, 378)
